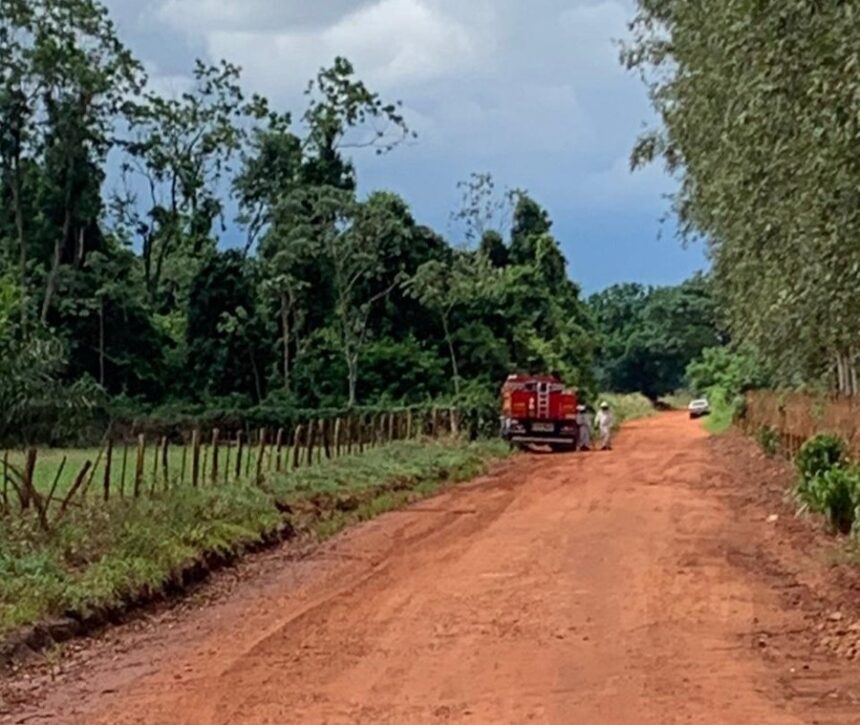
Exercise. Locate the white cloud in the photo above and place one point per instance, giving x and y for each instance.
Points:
(203, 16)
(393, 43)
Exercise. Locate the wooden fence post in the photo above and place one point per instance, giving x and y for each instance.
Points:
(325, 437)
(227, 468)
(165, 461)
(108, 462)
(79, 481)
(455, 423)
(338, 425)
(311, 440)
(184, 463)
(56, 483)
(124, 469)
(248, 457)
(279, 450)
(155, 464)
(195, 458)
(240, 442)
(138, 470)
(260, 456)
(215, 450)
(434, 422)
(27, 480)
(204, 466)
(297, 442)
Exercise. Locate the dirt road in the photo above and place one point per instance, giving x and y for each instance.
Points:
(622, 587)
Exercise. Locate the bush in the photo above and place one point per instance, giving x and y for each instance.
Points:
(819, 455)
(628, 406)
(834, 493)
(768, 439)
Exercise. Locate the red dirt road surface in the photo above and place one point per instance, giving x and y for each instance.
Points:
(637, 586)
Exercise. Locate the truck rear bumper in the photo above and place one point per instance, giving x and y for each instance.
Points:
(541, 440)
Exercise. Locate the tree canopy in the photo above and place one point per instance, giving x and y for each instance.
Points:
(125, 289)
(758, 107)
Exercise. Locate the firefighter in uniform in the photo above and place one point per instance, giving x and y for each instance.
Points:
(605, 421)
(584, 425)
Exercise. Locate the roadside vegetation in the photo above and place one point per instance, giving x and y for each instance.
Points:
(828, 483)
(629, 406)
(756, 106)
(103, 557)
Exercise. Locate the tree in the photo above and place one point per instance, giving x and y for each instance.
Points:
(494, 250)
(354, 249)
(531, 222)
(482, 210)
(441, 288)
(64, 74)
(755, 102)
(225, 351)
(180, 149)
(650, 335)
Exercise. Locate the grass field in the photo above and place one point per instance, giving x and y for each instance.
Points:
(103, 555)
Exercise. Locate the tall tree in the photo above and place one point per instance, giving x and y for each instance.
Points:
(756, 102)
(443, 287)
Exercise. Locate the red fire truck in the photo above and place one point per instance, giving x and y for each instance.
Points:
(539, 410)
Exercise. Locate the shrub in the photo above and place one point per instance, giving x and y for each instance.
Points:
(820, 454)
(628, 406)
(768, 439)
(834, 493)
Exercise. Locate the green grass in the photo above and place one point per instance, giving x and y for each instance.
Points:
(106, 555)
(722, 415)
(678, 401)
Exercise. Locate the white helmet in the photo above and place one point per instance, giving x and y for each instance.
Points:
(604, 405)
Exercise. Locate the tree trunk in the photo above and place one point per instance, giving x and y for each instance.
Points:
(256, 372)
(455, 368)
(352, 377)
(51, 284)
(102, 342)
(22, 246)
(285, 323)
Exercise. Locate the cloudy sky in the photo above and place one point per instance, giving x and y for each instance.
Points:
(530, 90)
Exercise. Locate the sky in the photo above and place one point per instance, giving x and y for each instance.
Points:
(528, 90)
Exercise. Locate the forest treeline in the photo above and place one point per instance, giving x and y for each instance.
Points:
(759, 110)
(116, 283)
(209, 250)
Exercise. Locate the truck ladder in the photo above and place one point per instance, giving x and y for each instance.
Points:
(543, 400)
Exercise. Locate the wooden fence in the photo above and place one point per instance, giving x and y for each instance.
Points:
(129, 469)
(796, 417)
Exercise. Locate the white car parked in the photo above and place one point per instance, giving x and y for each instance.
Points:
(699, 407)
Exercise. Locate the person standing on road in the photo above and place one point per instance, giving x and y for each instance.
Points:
(584, 425)
(605, 421)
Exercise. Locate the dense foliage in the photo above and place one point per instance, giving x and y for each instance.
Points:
(758, 102)
(649, 335)
(828, 483)
(115, 279)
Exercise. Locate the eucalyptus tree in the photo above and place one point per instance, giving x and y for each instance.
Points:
(758, 104)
